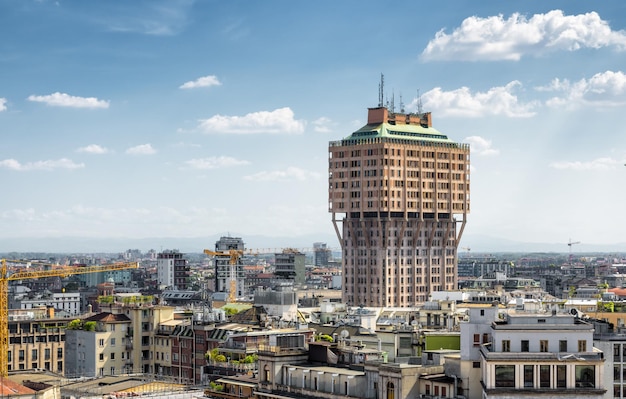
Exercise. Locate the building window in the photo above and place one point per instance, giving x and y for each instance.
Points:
(476, 365)
(505, 376)
(390, 391)
(561, 376)
(529, 376)
(101, 342)
(616, 352)
(112, 341)
(525, 345)
(102, 357)
(476, 339)
(563, 346)
(506, 345)
(543, 345)
(582, 345)
(585, 377)
(544, 376)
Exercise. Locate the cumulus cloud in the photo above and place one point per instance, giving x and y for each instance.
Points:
(496, 38)
(322, 125)
(462, 102)
(3, 104)
(279, 121)
(480, 146)
(289, 174)
(143, 149)
(205, 81)
(215, 163)
(93, 149)
(62, 163)
(605, 89)
(65, 100)
(596, 164)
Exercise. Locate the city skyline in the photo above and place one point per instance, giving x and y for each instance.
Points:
(201, 119)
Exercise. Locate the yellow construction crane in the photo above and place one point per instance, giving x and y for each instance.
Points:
(234, 255)
(52, 271)
(569, 244)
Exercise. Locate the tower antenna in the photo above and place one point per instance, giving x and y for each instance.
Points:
(420, 110)
(401, 105)
(381, 90)
(393, 100)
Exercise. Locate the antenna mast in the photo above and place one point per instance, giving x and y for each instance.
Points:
(381, 90)
(420, 110)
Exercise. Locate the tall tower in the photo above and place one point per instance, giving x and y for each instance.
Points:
(399, 198)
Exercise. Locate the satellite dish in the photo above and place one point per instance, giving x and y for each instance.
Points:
(414, 323)
(344, 334)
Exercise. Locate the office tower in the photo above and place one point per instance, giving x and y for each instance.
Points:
(399, 198)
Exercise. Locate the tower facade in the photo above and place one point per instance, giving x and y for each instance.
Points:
(399, 196)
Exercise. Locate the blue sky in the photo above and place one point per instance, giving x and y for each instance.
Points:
(201, 118)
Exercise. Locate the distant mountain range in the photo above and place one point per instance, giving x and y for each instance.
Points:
(476, 243)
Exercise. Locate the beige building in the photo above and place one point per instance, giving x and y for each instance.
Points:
(98, 352)
(399, 197)
(36, 340)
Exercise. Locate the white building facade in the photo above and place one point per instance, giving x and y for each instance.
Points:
(541, 354)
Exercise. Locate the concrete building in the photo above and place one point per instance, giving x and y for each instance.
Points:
(36, 340)
(537, 354)
(321, 254)
(172, 270)
(223, 274)
(67, 303)
(399, 198)
(290, 264)
(98, 352)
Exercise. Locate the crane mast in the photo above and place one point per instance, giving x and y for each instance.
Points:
(54, 271)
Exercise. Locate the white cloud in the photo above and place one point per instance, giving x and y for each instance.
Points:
(62, 163)
(480, 146)
(495, 38)
(605, 89)
(65, 100)
(596, 164)
(93, 149)
(143, 149)
(205, 81)
(463, 103)
(290, 174)
(215, 163)
(322, 125)
(3, 104)
(279, 121)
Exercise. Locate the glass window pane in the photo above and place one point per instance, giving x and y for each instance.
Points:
(544, 376)
(505, 376)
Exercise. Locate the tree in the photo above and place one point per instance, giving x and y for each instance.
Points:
(89, 326)
(75, 324)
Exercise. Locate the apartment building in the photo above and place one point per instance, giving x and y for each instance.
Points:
(99, 351)
(399, 199)
(36, 341)
(534, 354)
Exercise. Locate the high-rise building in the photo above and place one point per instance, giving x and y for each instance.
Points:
(399, 198)
(321, 254)
(172, 270)
(223, 268)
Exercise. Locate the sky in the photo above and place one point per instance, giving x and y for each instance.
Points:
(181, 118)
